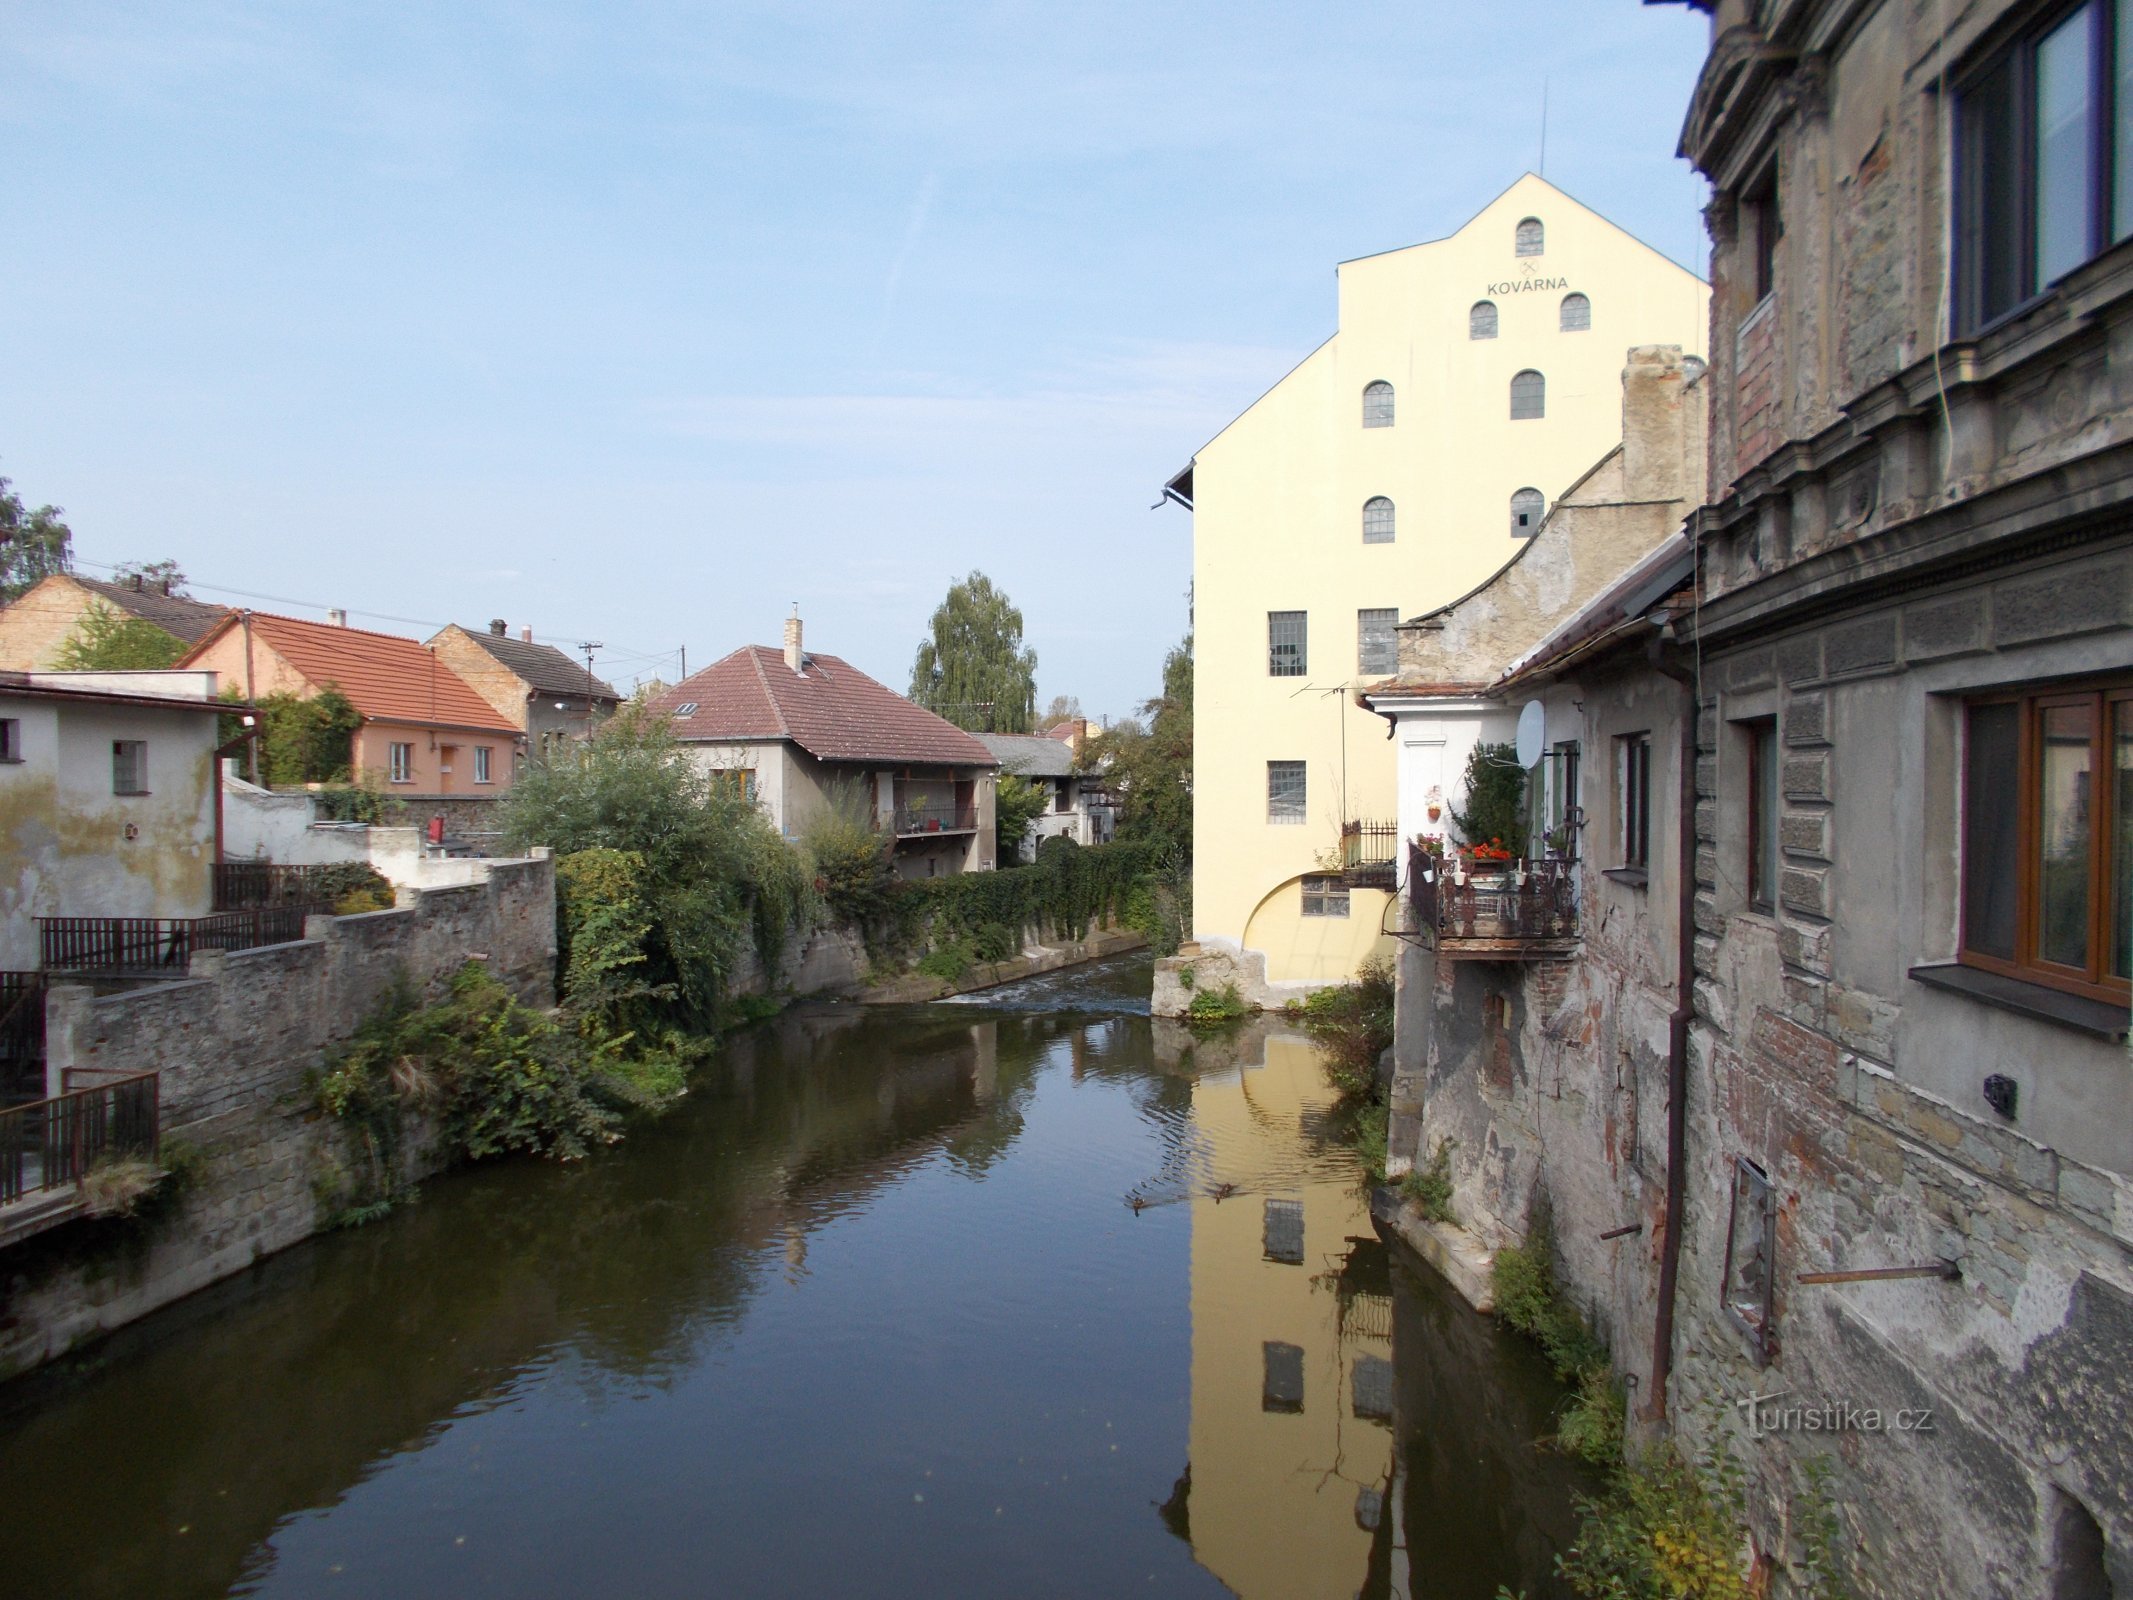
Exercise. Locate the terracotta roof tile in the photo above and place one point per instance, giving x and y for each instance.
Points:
(830, 709)
(386, 677)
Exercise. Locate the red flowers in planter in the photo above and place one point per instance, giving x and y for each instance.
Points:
(1492, 852)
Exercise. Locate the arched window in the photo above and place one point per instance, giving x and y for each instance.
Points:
(1577, 314)
(1377, 520)
(1531, 237)
(1377, 404)
(1526, 509)
(1481, 321)
(1529, 396)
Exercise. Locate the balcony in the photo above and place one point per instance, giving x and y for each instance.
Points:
(915, 820)
(159, 947)
(1370, 854)
(48, 1146)
(1509, 911)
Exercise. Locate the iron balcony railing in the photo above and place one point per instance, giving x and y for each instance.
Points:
(1370, 852)
(21, 1037)
(250, 885)
(914, 820)
(128, 947)
(1511, 909)
(47, 1144)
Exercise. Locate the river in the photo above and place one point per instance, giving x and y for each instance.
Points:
(1025, 1295)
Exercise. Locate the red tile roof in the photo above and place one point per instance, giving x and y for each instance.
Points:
(386, 677)
(830, 709)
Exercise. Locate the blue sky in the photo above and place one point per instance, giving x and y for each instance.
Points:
(638, 321)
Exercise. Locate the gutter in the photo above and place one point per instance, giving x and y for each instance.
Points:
(1664, 661)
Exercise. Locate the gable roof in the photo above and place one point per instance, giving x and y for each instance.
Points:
(1034, 755)
(385, 677)
(177, 615)
(829, 708)
(541, 667)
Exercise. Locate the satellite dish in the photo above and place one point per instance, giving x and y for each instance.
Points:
(1532, 732)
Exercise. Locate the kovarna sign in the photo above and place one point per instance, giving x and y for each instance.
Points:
(1521, 285)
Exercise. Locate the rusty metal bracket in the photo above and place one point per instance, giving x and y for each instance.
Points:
(1946, 1270)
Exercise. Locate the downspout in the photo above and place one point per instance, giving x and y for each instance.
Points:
(251, 698)
(1662, 661)
(228, 747)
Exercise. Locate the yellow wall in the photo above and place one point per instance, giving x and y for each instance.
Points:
(1273, 1504)
(1277, 525)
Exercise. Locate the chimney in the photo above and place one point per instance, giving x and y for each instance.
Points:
(1656, 442)
(497, 628)
(526, 633)
(793, 656)
(337, 617)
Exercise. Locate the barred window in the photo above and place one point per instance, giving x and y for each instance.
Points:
(1376, 646)
(1325, 897)
(129, 766)
(1284, 1234)
(1531, 238)
(1527, 505)
(1287, 644)
(1377, 520)
(1529, 396)
(1577, 314)
(1481, 320)
(1285, 791)
(1377, 405)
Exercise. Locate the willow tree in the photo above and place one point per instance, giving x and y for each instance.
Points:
(973, 669)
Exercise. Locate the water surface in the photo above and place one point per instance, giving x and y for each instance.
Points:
(1023, 1295)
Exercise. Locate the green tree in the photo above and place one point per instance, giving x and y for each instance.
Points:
(107, 639)
(973, 670)
(33, 544)
(1016, 804)
(1149, 764)
(1064, 708)
(306, 739)
(1495, 799)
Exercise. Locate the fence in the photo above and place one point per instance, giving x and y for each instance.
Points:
(935, 819)
(159, 946)
(1368, 851)
(49, 1143)
(253, 885)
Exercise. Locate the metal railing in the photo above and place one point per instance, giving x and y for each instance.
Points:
(913, 820)
(21, 1036)
(252, 885)
(1369, 853)
(1508, 904)
(50, 1143)
(122, 947)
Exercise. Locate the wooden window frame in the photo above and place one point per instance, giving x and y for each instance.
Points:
(1754, 1313)
(1633, 801)
(2094, 982)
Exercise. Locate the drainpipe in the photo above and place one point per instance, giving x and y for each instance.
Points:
(228, 747)
(1663, 661)
(251, 697)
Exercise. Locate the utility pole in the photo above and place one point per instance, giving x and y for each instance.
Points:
(589, 646)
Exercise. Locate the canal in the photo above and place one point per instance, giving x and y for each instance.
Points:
(1028, 1295)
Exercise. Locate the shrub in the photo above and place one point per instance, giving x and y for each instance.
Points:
(853, 875)
(995, 941)
(1216, 1005)
(1430, 1187)
(1352, 1024)
(1530, 1299)
(949, 961)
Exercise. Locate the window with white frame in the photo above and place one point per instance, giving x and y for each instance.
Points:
(1529, 396)
(1285, 791)
(129, 766)
(1377, 404)
(1481, 320)
(1324, 896)
(1287, 644)
(481, 764)
(402, 763)
(1376, 644)
(1377, 520)
(1577, 314)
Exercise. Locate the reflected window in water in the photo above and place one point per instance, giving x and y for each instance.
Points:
(1369, 1509)
(1370, 1388)
(1284, 1388)
(1285, 1231)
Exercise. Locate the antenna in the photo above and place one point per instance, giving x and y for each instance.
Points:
(589, 646)
(1544, 131)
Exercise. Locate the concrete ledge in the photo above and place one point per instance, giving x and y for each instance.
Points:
(916, 988)
(1458, 1257)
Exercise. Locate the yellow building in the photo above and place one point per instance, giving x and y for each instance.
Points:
(1399, 465)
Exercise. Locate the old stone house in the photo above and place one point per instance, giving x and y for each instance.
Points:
(1831, 1100)
(1077, 804)
(533, 686)
(797, 732)
(36, 626)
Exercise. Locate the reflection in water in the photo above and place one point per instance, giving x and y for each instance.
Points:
(865, 1315)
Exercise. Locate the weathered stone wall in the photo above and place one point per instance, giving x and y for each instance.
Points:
(234, 1044)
